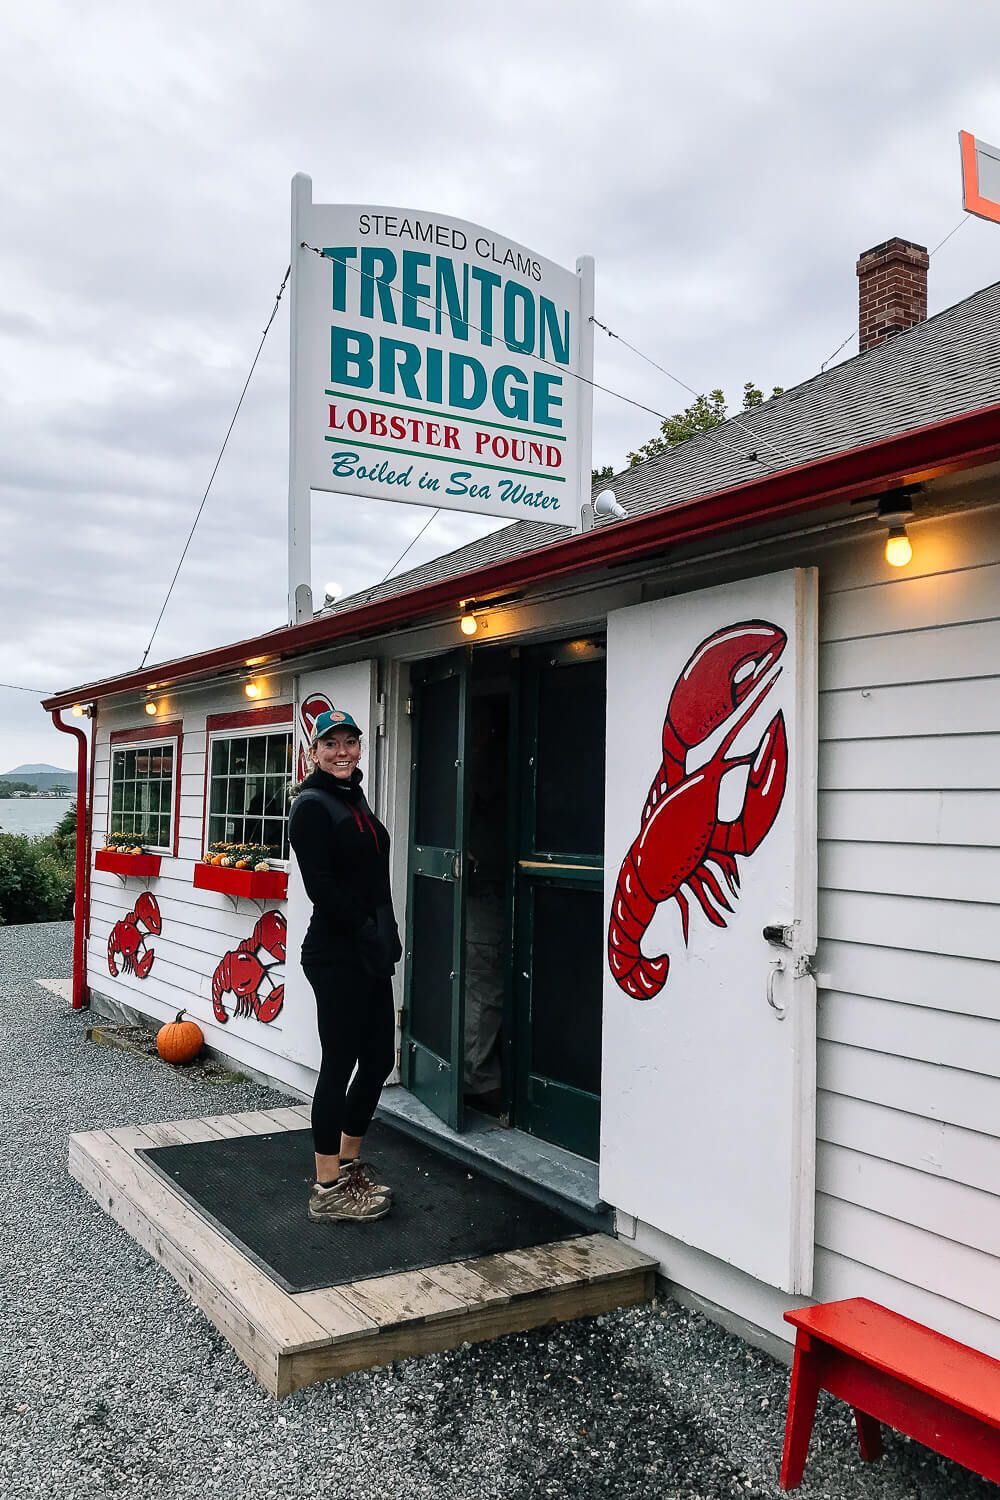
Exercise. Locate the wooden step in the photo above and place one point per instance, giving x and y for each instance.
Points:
(293, 1340)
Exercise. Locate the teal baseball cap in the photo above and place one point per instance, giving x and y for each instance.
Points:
(335, 718)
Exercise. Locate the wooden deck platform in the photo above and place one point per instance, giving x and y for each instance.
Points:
(290, 1341)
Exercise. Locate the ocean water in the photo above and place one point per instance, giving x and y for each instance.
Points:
(31, 815)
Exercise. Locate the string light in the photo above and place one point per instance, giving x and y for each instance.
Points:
(757, 436)
(930, 255)
(215, 470)
(491, 335)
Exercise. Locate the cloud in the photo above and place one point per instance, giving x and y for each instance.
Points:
(724, 165)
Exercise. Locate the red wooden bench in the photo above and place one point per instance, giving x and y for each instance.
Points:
(891, 1370)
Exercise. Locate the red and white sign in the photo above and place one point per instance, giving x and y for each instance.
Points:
(980, 177)
(708, 1092)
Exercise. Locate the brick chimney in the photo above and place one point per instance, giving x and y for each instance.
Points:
(892, 291)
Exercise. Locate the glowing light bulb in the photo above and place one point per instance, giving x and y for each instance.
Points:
(77, 710)
(469, 624)
(152, 709)
(898, 550)
(252, 689)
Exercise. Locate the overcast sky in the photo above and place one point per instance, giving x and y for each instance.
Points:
(724, 163)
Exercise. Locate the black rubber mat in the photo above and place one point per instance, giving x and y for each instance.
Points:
(254, 1189)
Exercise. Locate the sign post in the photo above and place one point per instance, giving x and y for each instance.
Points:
(299, 515)
(433, 362)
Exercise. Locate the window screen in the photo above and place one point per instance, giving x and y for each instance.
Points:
(566, 985)
(431, 987)
(248, 791)
(571, 734)
(142, 793)
(437, 749)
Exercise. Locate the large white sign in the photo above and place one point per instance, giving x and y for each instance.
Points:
(437, 362)
(708, 1097)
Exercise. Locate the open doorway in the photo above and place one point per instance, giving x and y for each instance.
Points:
(504, 946)
(487, 893)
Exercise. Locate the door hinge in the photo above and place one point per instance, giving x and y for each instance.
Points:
(401, 1017)
(380, 714)
(409, 708)
(399, 1060)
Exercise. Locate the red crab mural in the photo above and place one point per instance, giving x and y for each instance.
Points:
(127, 940)
(309, 712)
(244, 971)
(680, 835)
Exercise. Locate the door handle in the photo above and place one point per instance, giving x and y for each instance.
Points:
(456, 866)
(551, 867)
(775, 967)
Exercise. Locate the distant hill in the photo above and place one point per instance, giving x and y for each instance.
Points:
(43, 778)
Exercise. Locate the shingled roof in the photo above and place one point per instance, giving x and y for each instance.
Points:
(943, 367)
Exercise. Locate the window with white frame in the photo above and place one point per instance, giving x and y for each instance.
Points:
(248, 781)
(142, 792)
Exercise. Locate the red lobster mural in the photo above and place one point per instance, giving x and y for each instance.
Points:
(309, 712)
(127, 940)
(723, 684)
(243, 971)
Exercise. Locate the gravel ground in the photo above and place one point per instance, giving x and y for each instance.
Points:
(112, 1383)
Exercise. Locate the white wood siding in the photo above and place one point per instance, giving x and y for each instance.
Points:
(198, 926)
(908, 1163)
(908, 1152)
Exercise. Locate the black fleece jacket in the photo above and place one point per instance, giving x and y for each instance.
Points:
(344, 865)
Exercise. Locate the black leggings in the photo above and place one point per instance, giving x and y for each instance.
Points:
(357, 1026)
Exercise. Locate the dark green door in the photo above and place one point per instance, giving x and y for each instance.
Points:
(433, 1009)
(559, 924)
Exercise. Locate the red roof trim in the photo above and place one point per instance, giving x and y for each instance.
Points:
(924, 453)
(168, 730)
(250, 718)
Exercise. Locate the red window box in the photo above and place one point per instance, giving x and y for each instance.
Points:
(116, 863)
(255, 885)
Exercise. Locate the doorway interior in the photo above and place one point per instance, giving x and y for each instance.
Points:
(504, 952)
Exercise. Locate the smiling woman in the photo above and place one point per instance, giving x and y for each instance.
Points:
(349, 954)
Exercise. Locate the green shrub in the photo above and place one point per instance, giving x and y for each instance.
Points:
(37, 875)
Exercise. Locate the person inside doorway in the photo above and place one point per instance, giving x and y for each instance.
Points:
(349, 954)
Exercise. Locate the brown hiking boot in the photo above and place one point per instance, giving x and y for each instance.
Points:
(360, 1168)
(347, 1198)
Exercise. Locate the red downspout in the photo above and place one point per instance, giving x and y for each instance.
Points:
(81, 903)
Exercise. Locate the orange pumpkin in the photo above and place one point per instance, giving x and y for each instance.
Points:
(180, 1041)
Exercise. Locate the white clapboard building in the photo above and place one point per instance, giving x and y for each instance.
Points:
(696, 839)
